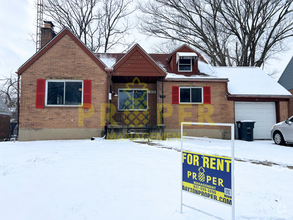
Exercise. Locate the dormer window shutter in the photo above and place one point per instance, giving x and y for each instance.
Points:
(207, 94)
(40, 93)
(87, 94)
(175, 94)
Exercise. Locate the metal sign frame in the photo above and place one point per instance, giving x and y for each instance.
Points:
(232, 166)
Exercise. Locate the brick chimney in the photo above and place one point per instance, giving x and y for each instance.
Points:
(47, 33)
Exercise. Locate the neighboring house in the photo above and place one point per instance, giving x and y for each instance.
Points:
(286, 80)
(5, 116)
(67, 92)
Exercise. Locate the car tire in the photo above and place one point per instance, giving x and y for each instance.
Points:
(278, 138)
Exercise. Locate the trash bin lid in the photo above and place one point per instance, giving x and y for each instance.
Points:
(247, 121)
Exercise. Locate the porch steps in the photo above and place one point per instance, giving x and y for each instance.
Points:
(136, 132)
(142, 133)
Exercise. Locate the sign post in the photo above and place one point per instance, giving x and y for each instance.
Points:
(209, 176)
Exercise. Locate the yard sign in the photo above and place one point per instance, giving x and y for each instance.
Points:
(208, 176)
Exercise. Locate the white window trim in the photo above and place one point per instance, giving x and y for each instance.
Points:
(147, 91)
(202, 101)
(54, 80)
(185, 65)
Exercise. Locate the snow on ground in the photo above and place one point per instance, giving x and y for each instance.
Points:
(102, 179)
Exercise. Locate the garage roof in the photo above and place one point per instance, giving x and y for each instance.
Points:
(250, 81)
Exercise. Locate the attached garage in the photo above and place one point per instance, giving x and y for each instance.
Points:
(263, 113)
(256, 97)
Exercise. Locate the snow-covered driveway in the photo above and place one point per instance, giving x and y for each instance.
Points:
(83, 179)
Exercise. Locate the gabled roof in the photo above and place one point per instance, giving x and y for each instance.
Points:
(51, 43)
(182, 48)
(157, 70)
(286, 78)
(3, 108)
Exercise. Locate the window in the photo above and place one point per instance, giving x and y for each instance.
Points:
(185, 61)
(184, 65)
(190, 95)
(132, 99)
(60, 92)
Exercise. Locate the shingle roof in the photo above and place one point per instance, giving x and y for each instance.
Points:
(286, 78)
(160, 59)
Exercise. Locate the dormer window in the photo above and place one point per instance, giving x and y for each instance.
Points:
(185, 61)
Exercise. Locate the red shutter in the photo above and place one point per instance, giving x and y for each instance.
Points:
(207, 95)
(175, 94)
(40, 94)
(87, 93)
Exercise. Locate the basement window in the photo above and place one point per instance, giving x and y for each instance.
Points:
(132, 99)
(63, 93)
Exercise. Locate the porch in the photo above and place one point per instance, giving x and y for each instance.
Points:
(136, 125)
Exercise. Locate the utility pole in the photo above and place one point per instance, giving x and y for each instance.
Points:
(39, 24)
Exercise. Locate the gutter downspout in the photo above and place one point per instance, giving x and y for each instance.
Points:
(162, 100)
(227, 95)
(18, 77)
(109, 72)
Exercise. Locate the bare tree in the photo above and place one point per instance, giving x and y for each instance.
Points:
(8, 92)
(167, 46)
(100, 24)
(251, 31)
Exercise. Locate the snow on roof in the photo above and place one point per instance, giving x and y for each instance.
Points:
(204, 68)
(161, 65)
(186, 54)
(250, 81)
(3, 108)
(108, 60)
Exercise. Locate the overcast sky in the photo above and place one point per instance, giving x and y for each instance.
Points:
(18, 21)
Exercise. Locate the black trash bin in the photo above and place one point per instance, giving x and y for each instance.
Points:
(245, 130)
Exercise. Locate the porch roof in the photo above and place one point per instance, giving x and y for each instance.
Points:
(160, 59)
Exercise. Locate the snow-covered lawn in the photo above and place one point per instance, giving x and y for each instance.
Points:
(83, 179)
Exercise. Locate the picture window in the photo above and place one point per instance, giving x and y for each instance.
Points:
(63, 93)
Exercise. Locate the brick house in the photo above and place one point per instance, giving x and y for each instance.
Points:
(286, 80)
(5, 116)
(68, 92)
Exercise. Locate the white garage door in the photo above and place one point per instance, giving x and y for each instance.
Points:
(263, 113)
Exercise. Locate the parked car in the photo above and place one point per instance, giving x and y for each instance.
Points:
(282, 132)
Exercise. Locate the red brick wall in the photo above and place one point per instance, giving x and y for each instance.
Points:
(283, 110)
(46, 35)
(223, 110)
(65, 60)
(4, 126)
